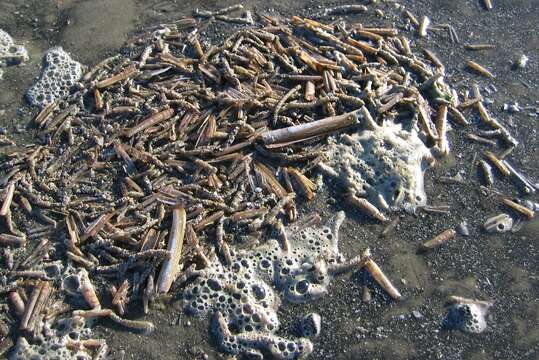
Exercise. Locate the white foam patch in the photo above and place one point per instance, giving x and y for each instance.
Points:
(61, 338)
(60, 72)
(10, 53)
(54, 342)
(249, 291)
(386, 165)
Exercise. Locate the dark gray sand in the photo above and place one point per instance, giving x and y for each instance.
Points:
(500, 268)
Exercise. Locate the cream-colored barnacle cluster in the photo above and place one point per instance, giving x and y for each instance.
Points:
(60, 72)
(245, 295)
(385, 164)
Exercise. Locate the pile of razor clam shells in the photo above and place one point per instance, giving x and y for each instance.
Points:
(166, 156)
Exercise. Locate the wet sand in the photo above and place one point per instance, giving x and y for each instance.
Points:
(501, 268)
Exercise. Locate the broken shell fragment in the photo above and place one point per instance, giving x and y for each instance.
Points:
(488, 4)
(522, 61)
(500, 223)
(310, 325)
(423, 26)
(462, 229)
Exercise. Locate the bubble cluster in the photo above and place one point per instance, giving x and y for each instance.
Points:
(248, 292)
(386, 165)
(55, 342)
(60, 72)
(61, 338)
(252, 345)
(468, 317)
(10, 53)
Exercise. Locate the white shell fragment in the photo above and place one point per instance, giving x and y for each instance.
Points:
(512, 108)
(462, 229)
(386, 165)
(467, 315)
(522, 61)
(500, 223)
(310, 325)
(60, 72)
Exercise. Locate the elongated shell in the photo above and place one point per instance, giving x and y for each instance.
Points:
(175, 244)
(381, 278)
(438, 240)
(88, 292)
(17, 302)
